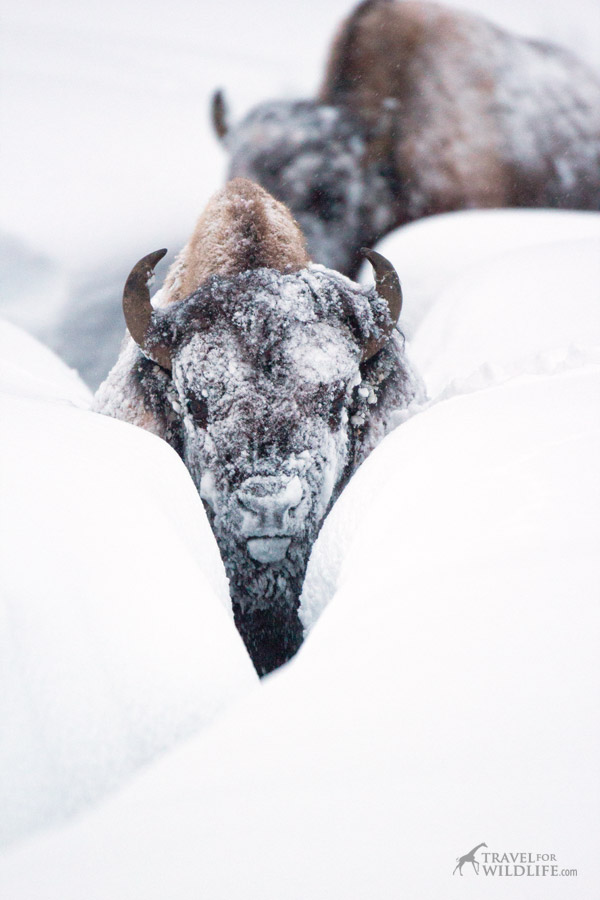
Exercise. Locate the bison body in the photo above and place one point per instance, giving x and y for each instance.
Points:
(423, 109)
(273, 379)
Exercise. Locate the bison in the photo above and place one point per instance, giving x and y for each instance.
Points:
(273, 378)
(423, 109)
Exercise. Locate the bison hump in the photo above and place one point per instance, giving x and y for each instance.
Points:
(242, 228)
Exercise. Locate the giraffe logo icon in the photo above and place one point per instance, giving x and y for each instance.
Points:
(468, 857)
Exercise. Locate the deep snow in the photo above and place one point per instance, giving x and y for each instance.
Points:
(116, 634)
(448, 694)
(528, 311)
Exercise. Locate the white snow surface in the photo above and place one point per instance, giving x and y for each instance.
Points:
(29, 369)
(116, 636)
(431, 254)
(510, 312)
(448, 694)
(446, 697)
(534, 310)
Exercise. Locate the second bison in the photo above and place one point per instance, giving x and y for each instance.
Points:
(423, 109)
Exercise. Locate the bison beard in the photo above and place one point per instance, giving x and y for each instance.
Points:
(265, 602)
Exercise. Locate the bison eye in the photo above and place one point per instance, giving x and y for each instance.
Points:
(198, 407)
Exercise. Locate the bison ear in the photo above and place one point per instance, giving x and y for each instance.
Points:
(219, 115)
(388, 287)
(137, 308)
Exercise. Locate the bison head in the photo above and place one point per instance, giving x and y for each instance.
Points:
(320, 161)
(272, 383)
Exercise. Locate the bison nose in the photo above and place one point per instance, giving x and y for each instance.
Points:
(267, 505)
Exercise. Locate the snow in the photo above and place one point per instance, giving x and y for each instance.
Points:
(29, 369)
(116, 636)
(509, 313)
(444, 698)
(447, 692)
(530, 310)
(34, 288)
(431, 254)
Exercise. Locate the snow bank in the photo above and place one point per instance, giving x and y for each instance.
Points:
(533, 310)
(29, 369)
(446, 697)
(34, 288)
(431, 254)
(494, 310)
(116, 637)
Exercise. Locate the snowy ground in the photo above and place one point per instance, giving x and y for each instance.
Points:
(116, 634)
(447, 692)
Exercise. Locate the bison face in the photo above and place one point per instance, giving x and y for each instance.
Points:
(265, 369)
(314, 159)
(265, 424)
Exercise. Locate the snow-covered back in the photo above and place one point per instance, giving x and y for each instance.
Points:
(116, 635)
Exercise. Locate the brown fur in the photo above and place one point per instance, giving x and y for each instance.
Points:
(424, 109)
(242, 228)
(423, 57)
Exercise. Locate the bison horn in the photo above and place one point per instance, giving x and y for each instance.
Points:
(219, 114)
(137, 308)
(388, 287)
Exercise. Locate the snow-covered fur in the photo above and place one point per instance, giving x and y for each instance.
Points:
(267, 402)
(423, 109)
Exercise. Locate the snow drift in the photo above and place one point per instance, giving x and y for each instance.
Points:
(431, 255)
(511, 293)
(446, 696)
(116, 633)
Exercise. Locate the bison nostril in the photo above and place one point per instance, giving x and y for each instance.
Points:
(268, 504)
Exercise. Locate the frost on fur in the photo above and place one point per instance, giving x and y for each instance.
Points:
(268, 400)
